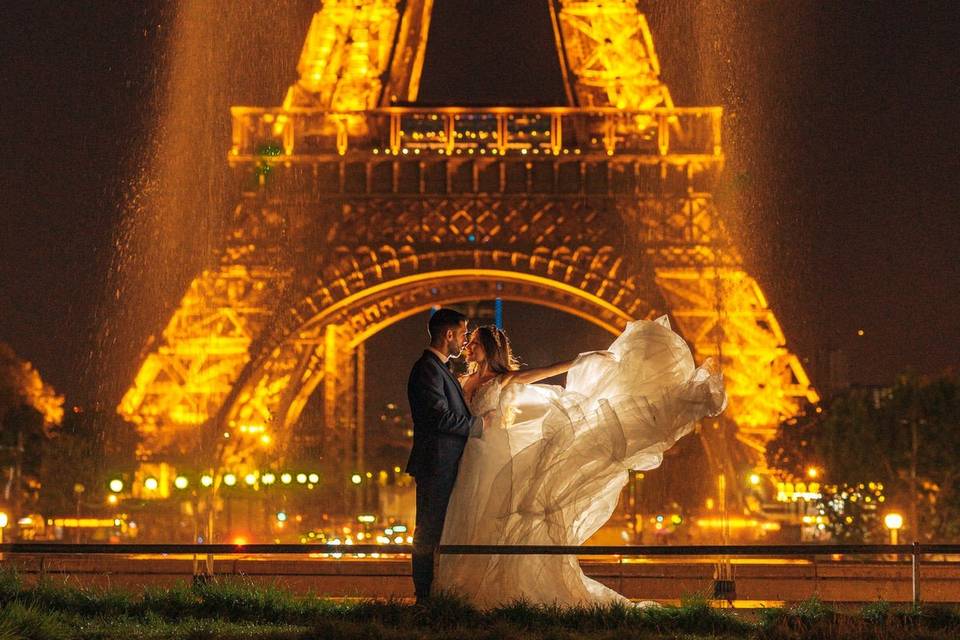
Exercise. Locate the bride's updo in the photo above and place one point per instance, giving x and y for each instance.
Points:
(496, 347)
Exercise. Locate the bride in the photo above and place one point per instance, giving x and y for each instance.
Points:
(551, 462)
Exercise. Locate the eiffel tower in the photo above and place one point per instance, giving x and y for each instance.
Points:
(357, 208)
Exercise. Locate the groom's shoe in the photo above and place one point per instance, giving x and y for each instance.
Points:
(422, 602)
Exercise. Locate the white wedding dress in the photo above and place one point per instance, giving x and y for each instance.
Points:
(550, 465)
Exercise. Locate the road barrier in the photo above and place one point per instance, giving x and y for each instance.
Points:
(914, 551)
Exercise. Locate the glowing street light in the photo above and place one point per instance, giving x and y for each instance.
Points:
(250, 479)
(302, 478)
(286, 478)
(206, 480)
(813, 472)
(151, 483)
(181, 482)
(754, 479)
(314, 478)
(268, 478)
(116, 485)
(893, 522)
(230, 479)
(356, 478)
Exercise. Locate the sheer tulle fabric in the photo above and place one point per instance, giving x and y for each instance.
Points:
(552, 462)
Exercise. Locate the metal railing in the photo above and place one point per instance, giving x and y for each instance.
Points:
(914, 551)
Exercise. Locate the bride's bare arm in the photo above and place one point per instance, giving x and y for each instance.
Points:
(536, 374)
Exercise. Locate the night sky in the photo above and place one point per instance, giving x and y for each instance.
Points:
(842, 183)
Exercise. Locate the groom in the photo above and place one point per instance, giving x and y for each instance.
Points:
(441, 425)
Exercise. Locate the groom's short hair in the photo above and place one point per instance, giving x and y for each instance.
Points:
(443, 319)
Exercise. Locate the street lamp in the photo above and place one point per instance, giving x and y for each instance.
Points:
(893, 522)
(78, 490)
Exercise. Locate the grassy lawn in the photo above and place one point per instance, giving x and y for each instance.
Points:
(234, 609)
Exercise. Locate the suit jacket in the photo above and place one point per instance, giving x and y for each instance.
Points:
(441, 420)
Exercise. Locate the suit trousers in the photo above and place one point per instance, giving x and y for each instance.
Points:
(433, 495)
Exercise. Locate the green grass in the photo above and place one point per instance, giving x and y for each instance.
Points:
(232, 608)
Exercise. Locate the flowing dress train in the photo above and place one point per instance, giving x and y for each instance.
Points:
(552, 461)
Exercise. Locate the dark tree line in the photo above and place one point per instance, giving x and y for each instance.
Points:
(904, 439)
(45, 452)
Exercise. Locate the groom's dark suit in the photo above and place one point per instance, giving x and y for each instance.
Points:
(441, 425)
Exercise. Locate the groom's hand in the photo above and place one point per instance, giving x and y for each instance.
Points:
(476, 427)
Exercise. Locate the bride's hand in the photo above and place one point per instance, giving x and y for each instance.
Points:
(606, 355)
(711, 366)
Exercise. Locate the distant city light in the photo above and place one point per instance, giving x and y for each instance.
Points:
(754, 479)
(151, 484)
(181, 482)
(301, 478)
(229, 479)
(206, 480)
(281, 516)
(813, 472)
(356, 478)
(116, 485)
(314, 478)
(286, 478)
(268, 478)
(250, 478)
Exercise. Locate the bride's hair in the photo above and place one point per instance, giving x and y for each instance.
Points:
(496, 346)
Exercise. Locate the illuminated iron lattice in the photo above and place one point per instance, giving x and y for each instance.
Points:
(601, 208)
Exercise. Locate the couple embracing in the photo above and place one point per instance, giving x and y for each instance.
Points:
(501, 460)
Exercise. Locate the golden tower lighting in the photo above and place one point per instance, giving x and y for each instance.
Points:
(366, 212)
